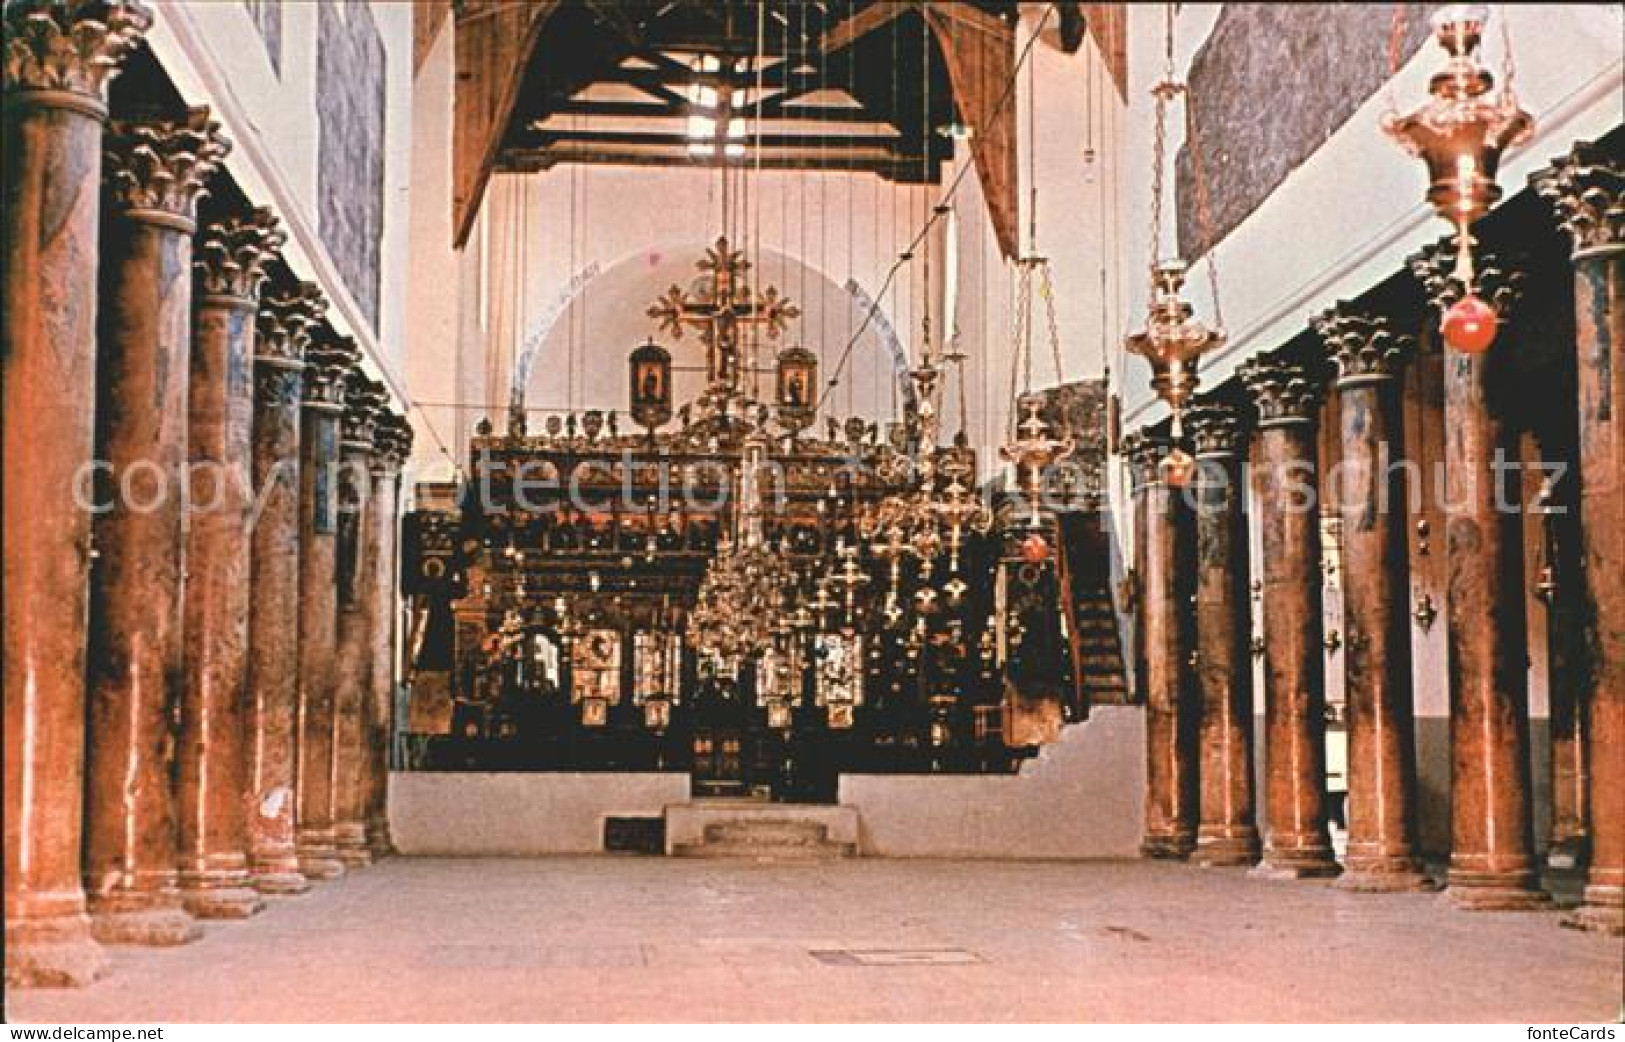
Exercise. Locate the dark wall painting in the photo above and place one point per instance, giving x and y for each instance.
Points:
(1272, 83)
(350, 150)
(267, 18)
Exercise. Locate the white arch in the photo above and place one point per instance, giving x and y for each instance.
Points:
(576, 292)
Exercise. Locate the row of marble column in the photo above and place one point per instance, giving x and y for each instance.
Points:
(1193, 646)
(200, 514)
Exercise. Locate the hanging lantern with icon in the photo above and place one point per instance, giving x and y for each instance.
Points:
(1460, 132)
(796, 389)
(650, 367)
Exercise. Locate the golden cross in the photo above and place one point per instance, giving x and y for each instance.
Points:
(719, 307)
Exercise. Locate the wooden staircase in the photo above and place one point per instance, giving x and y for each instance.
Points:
(1092, 626)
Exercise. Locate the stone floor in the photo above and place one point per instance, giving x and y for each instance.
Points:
(650, 939)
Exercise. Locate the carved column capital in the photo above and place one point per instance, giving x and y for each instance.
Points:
(157, 170)
(283, 332)
(230, 255)
(285, 320)
(400, 440)
(1500, 278)
(328, 363)
(1587, 189)
(363, 409)
(64, 52)
(1216, 428)
(1144, 451)
(1364, 346)
(1284, 393)
(386, 443)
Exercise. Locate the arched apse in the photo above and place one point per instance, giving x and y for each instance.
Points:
(574, 353)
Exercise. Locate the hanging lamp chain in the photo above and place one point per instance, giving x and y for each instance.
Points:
(1046, 287)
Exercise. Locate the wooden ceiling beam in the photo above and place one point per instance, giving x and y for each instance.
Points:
(1108, 24)
(494, 42)
(876, 16)
(653, 110)
(545, 138)
(428, 18)
(980, 51)
(517, 160)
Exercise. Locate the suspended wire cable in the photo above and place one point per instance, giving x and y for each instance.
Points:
(936, 214)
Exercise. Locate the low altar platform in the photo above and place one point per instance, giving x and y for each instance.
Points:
(747, 828)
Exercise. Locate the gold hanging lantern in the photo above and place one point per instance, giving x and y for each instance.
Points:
(1032, 452)
(1460, 132)
(1173, 342)
(1174, 339)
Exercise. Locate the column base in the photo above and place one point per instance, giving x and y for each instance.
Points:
(1231, 847)
(318, 857)
(1478, 891)
(1168, 848)
(1300, 863)
(280, 884)
(320, 869)
(1398, 875)
(220, 893)
(1603, 912)
(222, 902)
(350, 844)
(152, 920)
(274, 872)
(379, 840)
(55, 952)
(1496, 898)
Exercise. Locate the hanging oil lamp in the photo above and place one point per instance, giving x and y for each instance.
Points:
(1460, 132)
(1174, 339)
(1033, 451)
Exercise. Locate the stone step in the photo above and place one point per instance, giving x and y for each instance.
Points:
(765, 852)
(767, 831)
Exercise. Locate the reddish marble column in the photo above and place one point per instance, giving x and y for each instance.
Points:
(285, 319)
(155, 173)
(58, 61)
(353, 658)
(1297, 844)
(1382, 742)
(1587, 187)
(1171, 716)
(330, 360)
(1568, 841)
(1560, 586)
(395, 445)
(1492, 862)
(220, 414)
(1227, 832)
